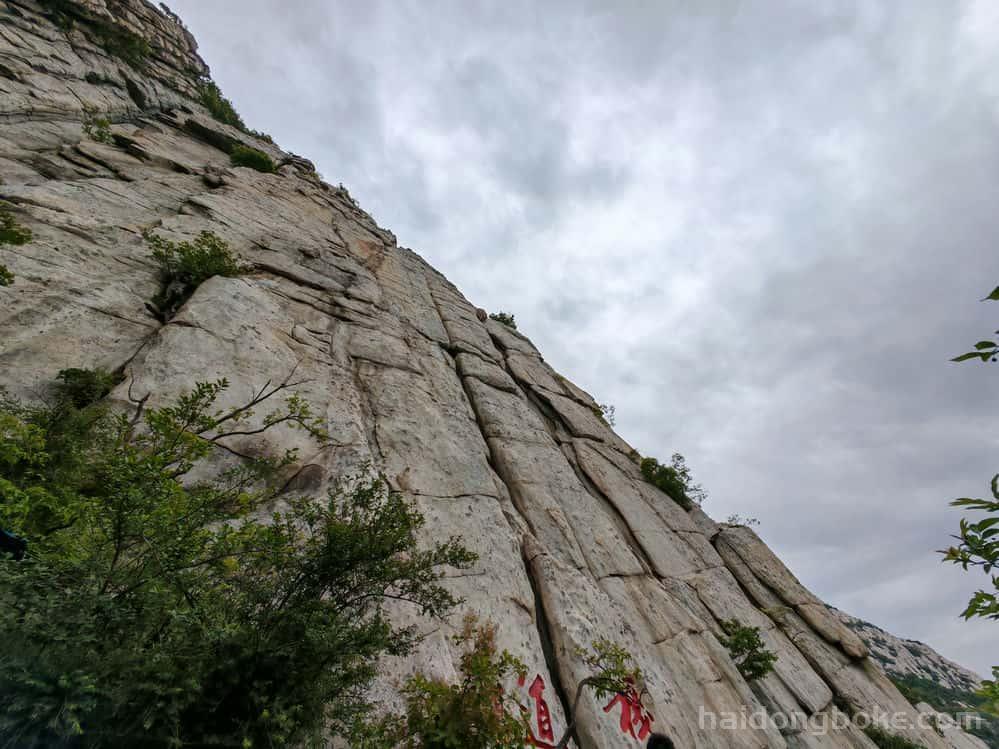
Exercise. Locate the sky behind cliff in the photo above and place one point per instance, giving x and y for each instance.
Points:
(759, 229)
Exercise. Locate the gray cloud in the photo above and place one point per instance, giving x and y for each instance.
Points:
(759, 229)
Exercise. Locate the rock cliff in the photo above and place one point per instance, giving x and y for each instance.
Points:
(462, 414)
(902, 657)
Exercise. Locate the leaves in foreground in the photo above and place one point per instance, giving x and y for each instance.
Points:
(161, 604)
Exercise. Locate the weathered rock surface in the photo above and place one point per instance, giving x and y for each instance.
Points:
(461, 413)
(902, 657)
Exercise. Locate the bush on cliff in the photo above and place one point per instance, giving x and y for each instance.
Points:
(10, 233)
(163, 603)
(504, 318)
(675, 480)
(746, 648)
(218, 105)
(252, 158)
(184, 266)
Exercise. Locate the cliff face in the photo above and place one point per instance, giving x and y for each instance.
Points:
(901, 657)
(462, 414)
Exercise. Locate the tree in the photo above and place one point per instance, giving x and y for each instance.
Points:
(675, 480)
(477, 712)
(154, 608)
(746, 647)
(504, 318)
(978, 541)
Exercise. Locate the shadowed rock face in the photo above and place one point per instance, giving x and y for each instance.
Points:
(462, 414)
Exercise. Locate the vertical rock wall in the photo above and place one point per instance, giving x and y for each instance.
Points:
(463, 416)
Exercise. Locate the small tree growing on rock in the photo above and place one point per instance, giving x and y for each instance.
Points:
(746, 647)
(674, 480)
(184, 266)
(505, 318)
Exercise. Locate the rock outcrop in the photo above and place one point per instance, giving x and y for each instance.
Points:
(902, 657)
(462, 414)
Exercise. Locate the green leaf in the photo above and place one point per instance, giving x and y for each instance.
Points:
(965, 357)
(985, 344)
(994, 296)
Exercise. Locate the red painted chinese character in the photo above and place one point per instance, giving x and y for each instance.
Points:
(633, 713)
(544, 715)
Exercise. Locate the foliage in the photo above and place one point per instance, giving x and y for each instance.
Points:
(953, 702)
(505, 318)
(978, 541)
(885, 740)
(477, 712)
(124, 44)
(186, 265)
(98, 128)
(978, 546)
(117, 41)
(12, 232)
(223, 110)
(985, 351)
(252, 158)
(674, 479)
(746, 647)
(740, 520)
(163, 610)
(218, 106)
(608, 413)
(84, 387)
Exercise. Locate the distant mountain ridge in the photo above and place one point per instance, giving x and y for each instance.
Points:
(903, 657)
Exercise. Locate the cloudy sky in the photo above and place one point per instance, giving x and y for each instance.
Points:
(759, 229)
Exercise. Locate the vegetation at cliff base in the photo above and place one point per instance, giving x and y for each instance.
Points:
(952, 702)
(675, 480)
(885, 740)
(504, 318)
(478, 712)
(170, 598)
(747, 650)
(184, 266)
(252, 158)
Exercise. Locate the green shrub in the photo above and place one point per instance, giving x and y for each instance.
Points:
(12, 232)
(252, 158)
(885, 740)
(476, 712)
(752, 659)
(98, 128)
(219, 106)
(186, 265)
(83, 387)
(116, 40)
(675, 480)
(156, 610)
(121, 43)
(505, 318)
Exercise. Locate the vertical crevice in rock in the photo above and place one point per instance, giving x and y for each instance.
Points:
(612, 510)
(547, 647)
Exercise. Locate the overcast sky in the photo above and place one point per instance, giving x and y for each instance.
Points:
(759, 229)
